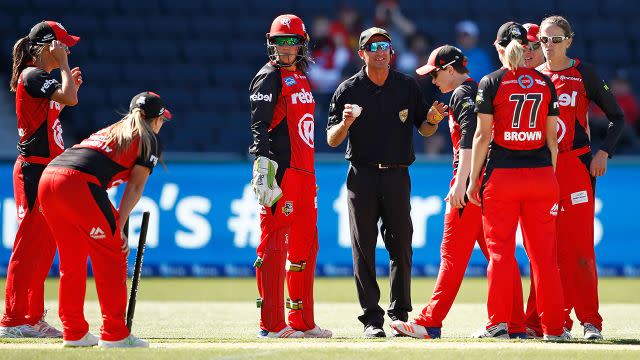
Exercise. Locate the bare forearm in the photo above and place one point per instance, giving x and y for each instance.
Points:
(337, 133)
(479, 154)
(130, 198)
(427, 129)
(69, 87)
(464, 166)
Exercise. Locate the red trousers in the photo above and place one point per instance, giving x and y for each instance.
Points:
(288, 249)
(528, 195)
(462, 228)
(85, 224)
(33, 251)
(576, 254)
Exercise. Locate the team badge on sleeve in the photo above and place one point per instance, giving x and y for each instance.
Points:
(403, 115)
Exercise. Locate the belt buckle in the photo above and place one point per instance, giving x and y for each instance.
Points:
(382, 167)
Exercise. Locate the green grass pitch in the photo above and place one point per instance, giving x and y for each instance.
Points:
(217, 319)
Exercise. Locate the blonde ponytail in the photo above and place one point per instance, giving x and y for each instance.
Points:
(513, 55)
(23, 53)
(122, 133)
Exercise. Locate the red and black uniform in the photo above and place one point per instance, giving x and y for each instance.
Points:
(462, 227)
(282, 124)
(73, 193)
(577, 86)
(519, 185)
(34, 248)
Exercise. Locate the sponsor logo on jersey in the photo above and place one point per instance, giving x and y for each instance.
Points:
(570, 78)
(153, 159)
(21, 132)
(287, 208)
(579, 197)
(554, 210)
(21, 212)
(540, 82)
(525, 81)
(47, 84)
(303, 97)
(466, 102)
(605, 86)
(57, 133)
(522, 135)
(403, 115)
(479, 97)
(289, 81)
(261, 97)
(97, 233)
(306, 129)
(562, 129)
(568, 100)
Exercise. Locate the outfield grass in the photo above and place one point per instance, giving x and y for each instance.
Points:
(217, 318)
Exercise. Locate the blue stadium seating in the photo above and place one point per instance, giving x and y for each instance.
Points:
(603, 30)
(205, 52)
(188, 75)
(124, 27)
(101, 74)
(611, 54)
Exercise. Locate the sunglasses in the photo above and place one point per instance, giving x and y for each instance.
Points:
(554, 39)
(287, 40)
(534, 46)
(375, 46)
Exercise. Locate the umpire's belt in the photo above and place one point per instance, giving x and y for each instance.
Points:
(381, 166)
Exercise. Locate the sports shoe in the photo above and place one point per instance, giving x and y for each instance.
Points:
(410, 328)
(564, 337)
(287, 332)
(498, 331)
(47, 330)
(532, 334)
(591, 332)
(129, 342)
(318, 332)
(87, 340)
(20, 331)
(373, 331)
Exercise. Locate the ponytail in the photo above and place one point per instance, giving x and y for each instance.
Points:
(20, 59)
(513, 55)
(122, 133)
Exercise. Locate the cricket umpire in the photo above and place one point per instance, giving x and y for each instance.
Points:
(377, 109)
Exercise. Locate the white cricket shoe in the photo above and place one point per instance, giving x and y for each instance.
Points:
(87, 340)
(129, 342)
(318, 332)
(45, 329)
(499, 331)
(287, 332)
(591, 332)
(410, 328)
(20, 331)
(564, 337)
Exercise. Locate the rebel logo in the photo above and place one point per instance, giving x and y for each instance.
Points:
(304, 97)
(261, 97)
(306, 128)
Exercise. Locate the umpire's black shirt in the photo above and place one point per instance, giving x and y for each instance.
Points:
(383, 132)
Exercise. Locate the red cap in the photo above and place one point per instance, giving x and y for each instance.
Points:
(287, 24)
(440, 58)
(532, 31)
(47, 31)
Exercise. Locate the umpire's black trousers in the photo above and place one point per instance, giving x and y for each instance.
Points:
(375, 194)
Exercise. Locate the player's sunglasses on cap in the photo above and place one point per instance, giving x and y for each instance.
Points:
(378, 45)
(151, 104)
(46, 31)
(287, 40)
(554, 39)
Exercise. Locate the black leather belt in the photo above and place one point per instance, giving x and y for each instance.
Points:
(382, 166)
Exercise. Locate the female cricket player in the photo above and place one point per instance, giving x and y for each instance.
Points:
(39, 100)
(73, 193)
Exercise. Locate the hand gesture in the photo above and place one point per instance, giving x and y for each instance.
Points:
(77, 76)
(437, 112)
(59, 51)
(348, 115)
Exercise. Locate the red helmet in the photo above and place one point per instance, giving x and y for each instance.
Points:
(287, 24)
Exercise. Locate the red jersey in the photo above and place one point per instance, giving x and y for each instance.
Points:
(520, 102)
(39, 128)
(96, 157)
(282, 122)
(577, 86)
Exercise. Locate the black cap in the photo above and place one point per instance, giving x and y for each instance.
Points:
(46, 31)
(440, 58)
(509, 31)
(151, 104)
(367, 34)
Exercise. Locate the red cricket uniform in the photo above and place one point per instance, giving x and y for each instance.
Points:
(577, 86)
(462, 227)
(34, 248)
(519, 185)
(282, 123)
(84, 223)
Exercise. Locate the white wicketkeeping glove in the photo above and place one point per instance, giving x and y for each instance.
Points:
(264, 181)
